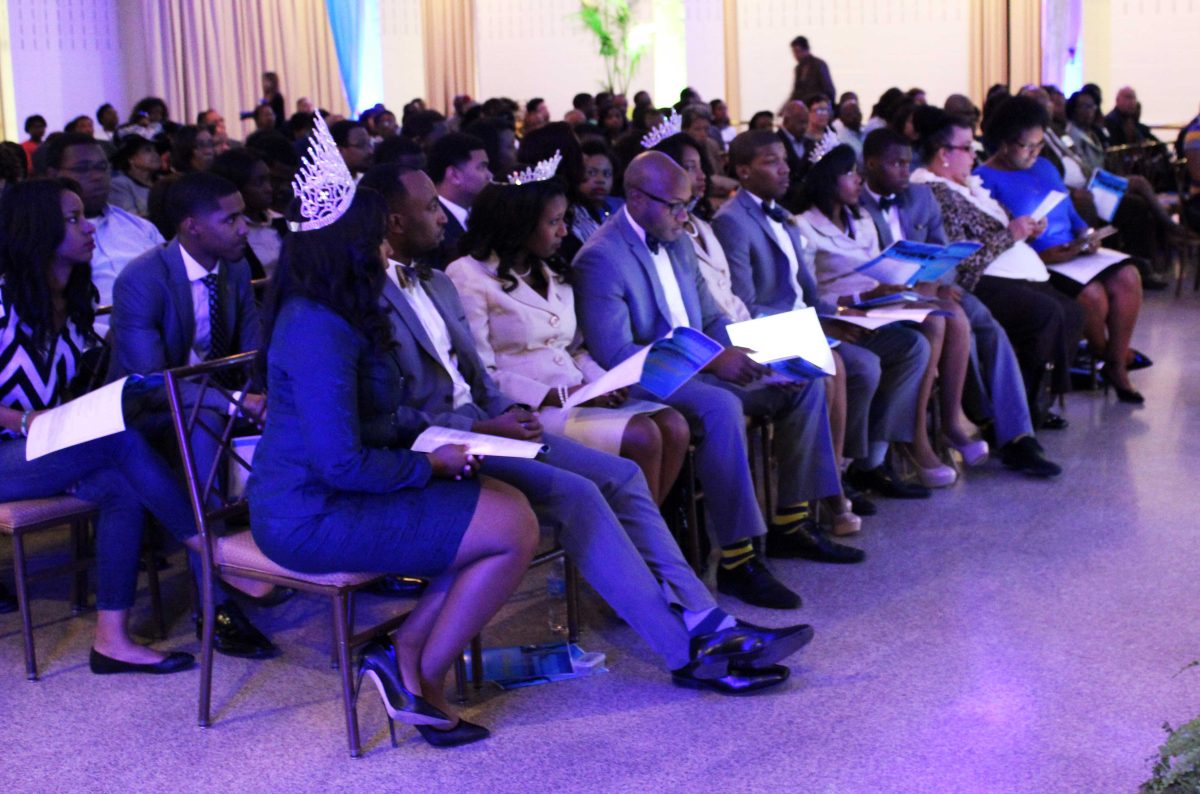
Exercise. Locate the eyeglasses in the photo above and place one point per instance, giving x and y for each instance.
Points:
(674, 208)
(86, 168)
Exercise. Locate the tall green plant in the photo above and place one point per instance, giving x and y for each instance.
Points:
(1177, 765)
(622, 43)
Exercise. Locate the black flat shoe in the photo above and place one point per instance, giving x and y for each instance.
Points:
(1131, 396)
(1055, 422)
(462, 733)
(753, 583)
(378, 664)
(1026, 456)
(883, 481)
(805, 545)
(174, 663)
(234, 634)
(778, 644)
(735, 682)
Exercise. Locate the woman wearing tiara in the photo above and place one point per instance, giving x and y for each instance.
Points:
(845, 238)
(335, 489)
(517, 294)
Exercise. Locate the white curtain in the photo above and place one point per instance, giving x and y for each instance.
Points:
(449, 51)
(202, 54)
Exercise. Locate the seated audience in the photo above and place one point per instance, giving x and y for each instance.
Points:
(636, 278)
(843, 238)
(721, 122)
(45, 327)
(35, 128)
(136, 166)
(1043, 324)
(598, 504)
(849, 125)
(1124, 121)
(459, 168)
(595, 203)
(354, 144)
(120, 236)
(995, 391)
(265, 228)
(1020, 179)
(107, 118)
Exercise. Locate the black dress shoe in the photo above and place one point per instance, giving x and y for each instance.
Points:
(778, 644)
(712, 654)
(8, 601)
(174, 663)
(378, 665)
(462, 733)
(1054, 422)
(883, 481)
(235, 635)
(736, 681)
(1140, 361)
(806, 545)
(398, 587)
(1025, 455)
(753, 583)
(274, 597)
(1131, 396)
(859, 503)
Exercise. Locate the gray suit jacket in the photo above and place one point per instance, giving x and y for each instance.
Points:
(428, 391)
(920, 216)
(154, 322)
(619, 299)
(759, 266)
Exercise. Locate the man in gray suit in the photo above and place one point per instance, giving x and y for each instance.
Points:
(598, 504)
(995, 394)
(183, 304)
(636, 278)
(771, 274)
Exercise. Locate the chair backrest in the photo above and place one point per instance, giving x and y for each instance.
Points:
(202, 400)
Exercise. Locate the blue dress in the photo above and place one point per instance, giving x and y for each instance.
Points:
(1021, 191)
(331, 489)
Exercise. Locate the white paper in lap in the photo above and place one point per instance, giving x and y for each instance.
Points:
(1085, 268)
(877, 318)
(94, 415)
(627, 373)
(794, 334)
(477, 443)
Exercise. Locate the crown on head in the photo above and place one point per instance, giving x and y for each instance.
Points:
(544, 170)
(829, 141)
(669, 126)
(324, 184)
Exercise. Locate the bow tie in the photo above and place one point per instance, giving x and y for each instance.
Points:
(652, 243)
(887, 202)
(407, 276)
(776, 213)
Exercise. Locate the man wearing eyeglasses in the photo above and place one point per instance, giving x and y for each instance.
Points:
(637, 278)
(120, 236)
(355, 146)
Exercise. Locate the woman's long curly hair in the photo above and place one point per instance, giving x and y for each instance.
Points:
(32, 228)
(339, 266)
(502, 221)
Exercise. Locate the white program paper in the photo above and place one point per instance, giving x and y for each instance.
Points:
(1052, 200)
(477, 443)
(1085, 268)
(87, 418)
(877, 318)
(627, 373)
(794, 334)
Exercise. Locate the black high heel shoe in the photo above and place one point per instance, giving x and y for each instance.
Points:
(379, 665)
(462, 733)
(1131, 396)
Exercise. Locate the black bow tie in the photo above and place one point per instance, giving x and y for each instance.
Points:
(407, 275)
(775, 212)
(652, 243)
(887, 202)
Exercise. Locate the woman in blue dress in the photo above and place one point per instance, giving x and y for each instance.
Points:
(335, 487)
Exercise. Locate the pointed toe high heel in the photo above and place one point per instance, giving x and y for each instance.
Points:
(378, 665)
(1131, 396)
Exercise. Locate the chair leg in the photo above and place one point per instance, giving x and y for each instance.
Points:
(342, 631)
(477, 662)
(153, 585)
(460, 677)
(765, 443)
(572, 582)
(206, 652)
(22, 588)
(79, 583)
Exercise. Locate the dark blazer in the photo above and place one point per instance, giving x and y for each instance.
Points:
(757, 263)
(920, 216)
(154, 323)
(812, 77)
(619, 299)
(427, 389)
(447, 250)
(798, 165)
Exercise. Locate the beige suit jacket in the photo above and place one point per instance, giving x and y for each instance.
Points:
(715, 269)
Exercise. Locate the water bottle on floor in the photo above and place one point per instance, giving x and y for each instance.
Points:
(556, 594)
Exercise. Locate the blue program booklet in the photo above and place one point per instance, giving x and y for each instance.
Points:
(1107, 190)
(906, 263)
(674, 359)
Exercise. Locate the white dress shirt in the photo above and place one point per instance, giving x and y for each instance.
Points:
(789, 250)
(265, 240)
(676, 310)
(892, 216)
(202, 339)
(460, 213)
(120, 238)
(435, 327)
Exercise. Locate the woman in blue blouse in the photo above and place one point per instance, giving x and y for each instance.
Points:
(46, 317)
(335, 487)
(1020, 179)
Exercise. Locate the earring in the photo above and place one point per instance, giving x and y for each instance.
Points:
(945, 163)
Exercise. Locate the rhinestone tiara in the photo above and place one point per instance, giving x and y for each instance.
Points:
(544, 170)
(324, 184)
(671, 125)
(829, 141)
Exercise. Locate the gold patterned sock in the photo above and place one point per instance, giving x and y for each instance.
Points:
(736, 554)
(788, 520)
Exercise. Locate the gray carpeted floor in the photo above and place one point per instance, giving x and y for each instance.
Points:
(1006, 636)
